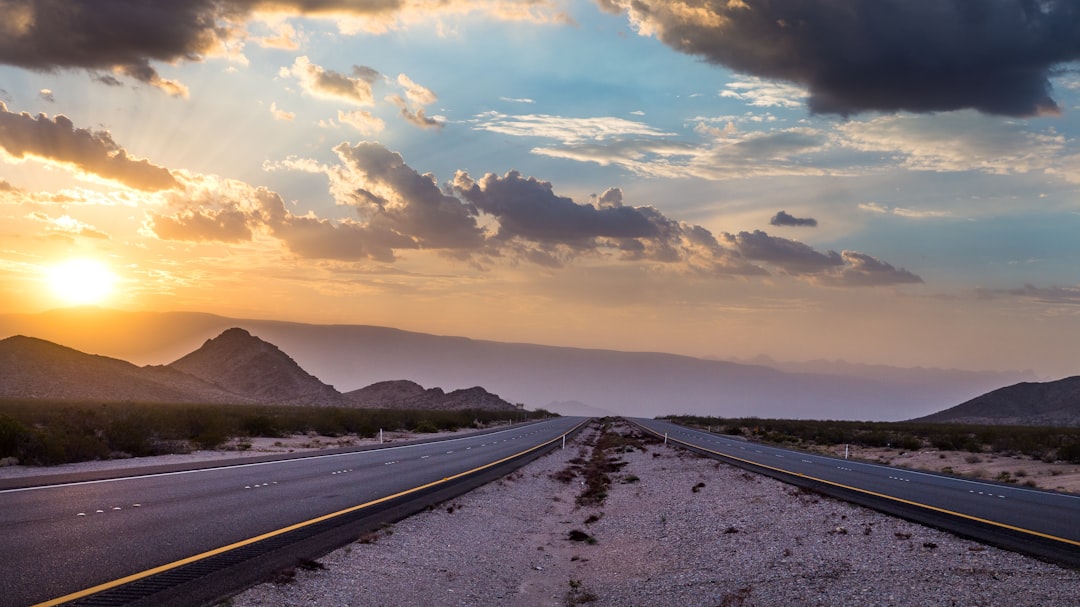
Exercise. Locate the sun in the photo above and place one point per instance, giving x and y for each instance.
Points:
(81, 282)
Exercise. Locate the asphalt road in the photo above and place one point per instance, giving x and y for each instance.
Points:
(1007, 512)
(60, 539)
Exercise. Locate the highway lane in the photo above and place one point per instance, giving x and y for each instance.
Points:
(55, 540)
(1043, 515)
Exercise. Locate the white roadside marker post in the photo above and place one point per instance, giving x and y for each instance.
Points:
(665, 439)
(380, 436)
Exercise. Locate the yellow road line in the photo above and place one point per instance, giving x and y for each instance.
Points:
(209, 553)
(881, 495)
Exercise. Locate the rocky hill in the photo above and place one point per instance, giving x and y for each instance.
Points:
(233, 368)
(1055, 403)
(404, 394)
(35, 368)
(238, 362)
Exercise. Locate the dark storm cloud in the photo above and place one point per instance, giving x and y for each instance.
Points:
(784, 219)
(127, 35)
(994, 56)
(57, 139)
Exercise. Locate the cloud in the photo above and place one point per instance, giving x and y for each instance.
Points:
(791, 256)
(861, 270)
(529, 209)
(1055, 295)
(215, 225)
(397, 198)
(314, 238)
(993, 56)
(362, 120)
(68, 226)
(764, 93)
(283, 36)
(415, 93)
(280, 114)
(552, 230)
(57, 140)
(566, 129)
(111, 35)
(962, 141)
(873, 207)
(511, 217)
(412, 105)
(645, 150)
(783, 219)
(328, 84)
(118, 37)
(47, 95)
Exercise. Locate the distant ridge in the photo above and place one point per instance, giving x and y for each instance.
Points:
(233, 368)
(1054, 403)
(240, 363)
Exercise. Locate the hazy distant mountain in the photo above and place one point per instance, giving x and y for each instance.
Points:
(1054, 403)
(627, 383)
(35, 368)
(240, 363)
(404, 394)
(912, 375)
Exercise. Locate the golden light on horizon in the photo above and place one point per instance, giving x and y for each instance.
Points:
(81, 281)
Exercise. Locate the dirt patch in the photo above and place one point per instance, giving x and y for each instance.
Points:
(1055, 476)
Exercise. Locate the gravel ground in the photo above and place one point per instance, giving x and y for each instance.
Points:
(674, 529)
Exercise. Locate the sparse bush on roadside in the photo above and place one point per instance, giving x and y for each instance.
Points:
(1048, 443)
(45, 433)
(577, 535)
(425, 426)
(579, 595)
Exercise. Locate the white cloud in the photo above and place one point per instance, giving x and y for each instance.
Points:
(328, 84)
(565, 129)
(958, 141)
(759, 92)
(362, 120)
(280, 114)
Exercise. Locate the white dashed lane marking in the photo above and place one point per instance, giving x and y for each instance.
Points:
(112, 508)
(986, 493)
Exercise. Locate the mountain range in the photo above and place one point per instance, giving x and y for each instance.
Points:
(562, 379)
(232, 368)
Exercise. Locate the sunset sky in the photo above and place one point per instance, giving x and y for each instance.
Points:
(893, 182)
